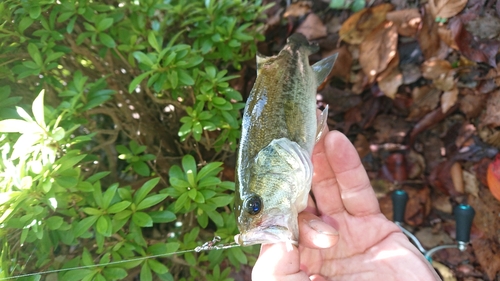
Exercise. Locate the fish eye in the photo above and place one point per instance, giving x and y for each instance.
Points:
(253, 204)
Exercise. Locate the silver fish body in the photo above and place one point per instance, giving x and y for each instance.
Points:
(279, 130)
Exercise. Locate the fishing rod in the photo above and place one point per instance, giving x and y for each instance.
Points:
(207, 246)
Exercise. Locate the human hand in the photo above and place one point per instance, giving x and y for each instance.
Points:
(343, 236)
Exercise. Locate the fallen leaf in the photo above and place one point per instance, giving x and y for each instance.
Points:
(456, 174)
(493, 177)
(429, 120)
(411, 73)
(472, 105)
(425, 99)
(360, 24)
(486, 251)
(396, 166)
(390, 83)
(485, 26)
(342, 66)
(435, 68)
(407, 21)
(471, 184)
(378, 49)
(362, 146)
(428, 37)
(445, 9)
(298, 9)
(446, 36)
(449, 99)
(312, 27)
(390, 129)
(416, 164)
(492, 116)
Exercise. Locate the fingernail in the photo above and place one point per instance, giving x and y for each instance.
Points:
(322, 227)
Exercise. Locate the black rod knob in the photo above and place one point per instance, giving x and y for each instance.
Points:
(399, 200)
(464, 214)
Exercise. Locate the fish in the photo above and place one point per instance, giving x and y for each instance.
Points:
(279, 130)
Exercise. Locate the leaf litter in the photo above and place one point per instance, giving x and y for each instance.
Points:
(416, 88)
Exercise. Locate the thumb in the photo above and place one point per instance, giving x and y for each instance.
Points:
(276, 262)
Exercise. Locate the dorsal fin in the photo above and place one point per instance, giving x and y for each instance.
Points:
(261, 60)
(323, 67)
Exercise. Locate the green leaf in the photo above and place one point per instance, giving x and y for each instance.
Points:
(212, 168)
(35, 54)
(77, 274)
(189, 164)
(185, 78)
(95, 177)
(84, 225)
(24, 24)
(104, 24)
(142, 192)
(180, 202)
(174, 79)
(108, 195)
(102, 225)
(107, 40)
(239, 255)
(222, 201)
(157, 267)
(142, 58)
(151, 201)
(162, 216)
(66, 181)
(92, 211)
(85, 186)
(54, 222)
(153, 42)
(141, 168)
(118, 207)
(172, 247)
(142, 219)
(146, 274)
(137, 80)
(35, 11)
(115, 273)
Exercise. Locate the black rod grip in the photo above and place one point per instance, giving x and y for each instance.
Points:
(399, 200)
(464, 214)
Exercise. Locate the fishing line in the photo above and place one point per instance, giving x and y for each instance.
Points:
(210, 245)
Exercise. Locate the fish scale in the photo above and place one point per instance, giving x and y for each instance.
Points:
(274, 170)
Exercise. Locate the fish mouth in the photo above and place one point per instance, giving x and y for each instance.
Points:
(267, 235)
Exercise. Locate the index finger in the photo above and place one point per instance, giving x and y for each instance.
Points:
(358, 196)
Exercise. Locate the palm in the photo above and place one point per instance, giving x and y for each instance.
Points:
(369, 246)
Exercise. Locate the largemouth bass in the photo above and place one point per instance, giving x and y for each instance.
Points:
(279, 130)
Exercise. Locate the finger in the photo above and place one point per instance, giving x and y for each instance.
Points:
(315, 233)
(324, 183)
(356, 191)
(275, 262)
(311, 206)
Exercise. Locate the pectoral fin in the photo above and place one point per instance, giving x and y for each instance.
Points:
(322, 119)
(323, 67)
(282, 156)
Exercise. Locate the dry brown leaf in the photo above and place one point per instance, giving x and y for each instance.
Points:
(447, 37)
(446, 9)
(425, 99)
(471, 183)
(359, 25)
(411, 73)
(435, 68)
(342, 66)
(407, 21)
(428, 37)
(391, 78)
(449, 99)
(457, 177)
(298, 9)
(492, 116)
(312, 27)
(472, 105)
(378, 49)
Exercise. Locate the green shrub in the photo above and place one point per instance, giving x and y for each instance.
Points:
(115, 118)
